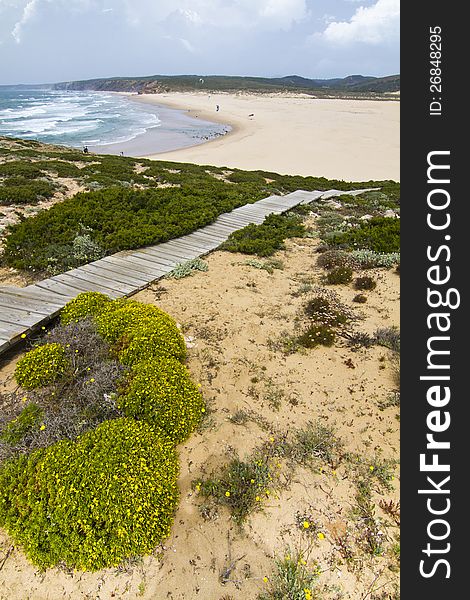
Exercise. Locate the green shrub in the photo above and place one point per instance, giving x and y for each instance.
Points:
(83, 305)
(28, 418)
(41, 366)
(339, 275)
(365, 283)
(153, 337)
(265, 239)
(161, 392)
(317, 335)
(380, 234)
(92, 503)
(24, 191)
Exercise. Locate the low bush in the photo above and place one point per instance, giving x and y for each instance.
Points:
(380, 234)
(368, 259)
(161, 392)
(95, 502)
(322, 309)
(338, 275)
(83, 305)
(365, 283)
(41, 366)
(267, 238)
(317, 335)
(128, 318)
(360, 298)
(335, 258)
(156, 336)
(24, 191)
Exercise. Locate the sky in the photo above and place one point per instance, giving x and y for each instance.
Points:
(48, 41)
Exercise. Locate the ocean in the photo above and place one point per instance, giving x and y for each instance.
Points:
(107, 123)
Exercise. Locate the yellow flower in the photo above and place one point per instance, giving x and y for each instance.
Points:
(24, 398)
(23, 335)
(271, 439)
(252, 481)
(371, 468)
(320, 535)
(306, 524)
(92, 380)
(42, 427)
(257, 498)
(265, 579)
(308, 594)
(227, 494)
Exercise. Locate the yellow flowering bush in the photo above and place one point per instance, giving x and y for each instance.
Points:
(93, 502)
(161, 392)
(84, 305)
(122, 316)
(153, 337)
(41, 366)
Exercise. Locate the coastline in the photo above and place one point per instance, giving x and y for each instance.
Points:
(355, 140)
(176, 130)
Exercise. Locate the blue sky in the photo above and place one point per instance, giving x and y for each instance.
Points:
(60, 40)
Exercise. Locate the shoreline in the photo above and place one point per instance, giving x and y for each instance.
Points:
(353, 140)
(172, 134)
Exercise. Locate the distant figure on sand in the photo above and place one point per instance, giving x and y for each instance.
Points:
(252, 115)
(85, 150)
(217, 108)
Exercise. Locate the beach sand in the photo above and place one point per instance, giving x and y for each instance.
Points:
(354, 140)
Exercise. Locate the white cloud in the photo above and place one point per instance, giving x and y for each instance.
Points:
(28, 13)
(371, 25)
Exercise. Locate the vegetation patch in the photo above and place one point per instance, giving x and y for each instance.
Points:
(380, 234)
(92, 503)
(41, 366)
(190, 267)
(267, 238)
(365, 283)
(242, 485)
(292, 578)
(338, 276)
(88, 466)
(161, 392)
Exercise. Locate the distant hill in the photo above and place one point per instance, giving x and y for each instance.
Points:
(351, 85)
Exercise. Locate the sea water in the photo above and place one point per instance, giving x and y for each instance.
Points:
(97, 119)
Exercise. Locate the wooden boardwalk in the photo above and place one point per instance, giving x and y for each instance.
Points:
(24, 310)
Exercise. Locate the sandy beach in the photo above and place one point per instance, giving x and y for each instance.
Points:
(355, 140)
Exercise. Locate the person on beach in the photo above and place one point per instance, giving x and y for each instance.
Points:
(217, 108)
(85, 150)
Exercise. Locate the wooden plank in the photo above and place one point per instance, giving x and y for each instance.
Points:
(159, 257)
(23, 318)
(92, 282)
(159, 260)
(31, 293)
(77, 285)
(196, 244)
(144, 270)
(105, 270)
(67, 291)
(41, 309)
(155, 271)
